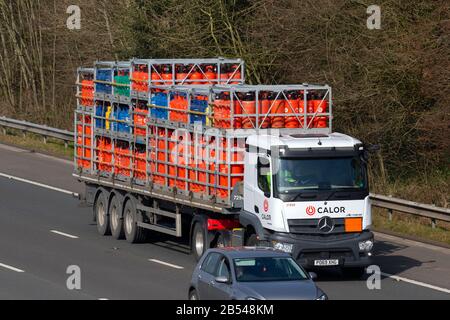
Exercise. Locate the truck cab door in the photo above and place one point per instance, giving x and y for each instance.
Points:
(258, 188)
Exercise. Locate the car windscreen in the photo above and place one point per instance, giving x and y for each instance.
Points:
(268, 269)
(298, 174)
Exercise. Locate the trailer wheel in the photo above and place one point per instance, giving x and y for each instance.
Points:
(116, 219)
(101, 215)
(133, 233)
(198, 241)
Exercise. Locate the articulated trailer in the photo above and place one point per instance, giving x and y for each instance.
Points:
(222, 163)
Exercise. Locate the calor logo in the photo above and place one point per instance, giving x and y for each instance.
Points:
(310, 211)
(266, 206)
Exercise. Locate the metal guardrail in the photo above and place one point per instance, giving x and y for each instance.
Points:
(42, 130)
(391, 204)
(417, 209)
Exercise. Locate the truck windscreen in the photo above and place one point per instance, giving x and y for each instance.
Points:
(298, 174)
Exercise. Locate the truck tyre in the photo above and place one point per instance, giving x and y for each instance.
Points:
(102, 216)
(115, 216)
(354, 273)
(199, 245)
(133, 233)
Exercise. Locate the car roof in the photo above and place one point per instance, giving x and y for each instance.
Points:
(249, 252)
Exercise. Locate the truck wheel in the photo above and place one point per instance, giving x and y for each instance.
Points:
(115, 217)
(354, 273)
(101, 215)
(252, 241)
(198, 241)
(133, 233)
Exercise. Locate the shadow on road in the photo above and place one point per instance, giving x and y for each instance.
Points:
(384, 257)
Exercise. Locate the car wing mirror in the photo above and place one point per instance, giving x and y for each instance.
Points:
(222, 280)
(313, 276)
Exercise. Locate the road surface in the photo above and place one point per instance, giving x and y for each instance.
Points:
(45, 230)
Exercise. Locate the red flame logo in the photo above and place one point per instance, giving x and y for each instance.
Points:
(310, 211)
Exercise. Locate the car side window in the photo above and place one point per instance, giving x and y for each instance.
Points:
(210, 263)
(224, 269)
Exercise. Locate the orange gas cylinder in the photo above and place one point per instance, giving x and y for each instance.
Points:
(122, 159)
(196, 77)
(264, 106)
(224, 70)
(161, 158)
(211, 74)
(167, 75)
(177, 157)
(157, 76)
(80, 161)
(217, 110)
(87, 93)
(320, 106)
(226, 111)
(87, 127)
(248, 110)
(237, 113)
(140, 167)
(172, 167)
(235, 74)
(140, 120)
(104, 154)
(181, 74)
(201, 162)
(212, 169)
(179, 103)
(278, 108)
(140, 79)
(292, 110)
(310, 108)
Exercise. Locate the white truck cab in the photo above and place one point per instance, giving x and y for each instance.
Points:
(308, 194)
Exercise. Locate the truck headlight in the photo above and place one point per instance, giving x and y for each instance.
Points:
(366, 246)
(285, 247)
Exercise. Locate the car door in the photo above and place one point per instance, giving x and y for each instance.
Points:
(222, 291)
(206, 275)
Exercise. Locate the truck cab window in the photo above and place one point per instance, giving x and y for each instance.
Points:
(264, 176)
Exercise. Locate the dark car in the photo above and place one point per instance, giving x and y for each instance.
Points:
(251, 274)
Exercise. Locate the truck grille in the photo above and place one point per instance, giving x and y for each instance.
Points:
(311, 226)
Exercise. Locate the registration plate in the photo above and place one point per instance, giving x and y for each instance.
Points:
(326, 263)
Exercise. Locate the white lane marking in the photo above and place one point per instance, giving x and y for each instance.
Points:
(166, 264)
(417, 283)
(103, 299)
(64, 234)
(7, 176)
(11, 268)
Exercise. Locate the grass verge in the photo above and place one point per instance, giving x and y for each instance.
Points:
(36, 143)
(409, 226)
